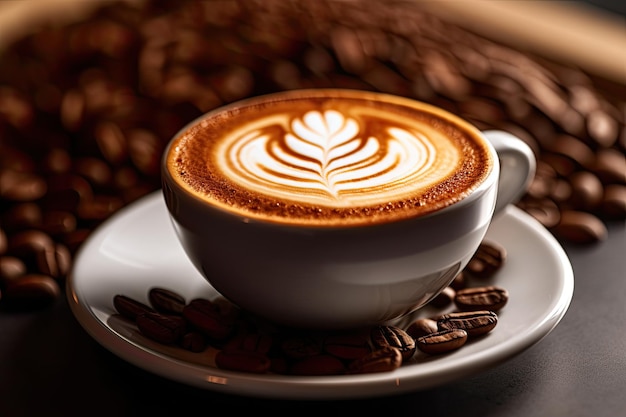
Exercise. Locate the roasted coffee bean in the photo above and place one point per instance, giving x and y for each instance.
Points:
(56, 222)
(385, 359)
(111, 142)
(253, 341)
(66, 192)
(580, 227)
(490, 297)
(161, 328)
(203, 316)
(22, 216)
(610, 166)
(31, 290)
(166, 301)
(393, 336)
(475, 323)
(129, 307)
(94, 170)
(300, 346)
(29, 244)
(99, 208)
(422, 327)
(587, 191)
(544, 210)
(242, 360)
(614, 202)
(318, 365)
(194, 341)
(11, 268)
(444, 298)
(46, 261)
(4, 241)
(57, 161)
(442, 341)
(21, 186)
(574, 149)
(459, 281)
(350, 345)
(488, 259)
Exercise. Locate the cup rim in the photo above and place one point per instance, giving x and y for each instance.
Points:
(468, 197)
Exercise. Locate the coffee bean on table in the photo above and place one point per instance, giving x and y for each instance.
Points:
(614, 201)
(580, 227)
(31, 290)
(162, 328)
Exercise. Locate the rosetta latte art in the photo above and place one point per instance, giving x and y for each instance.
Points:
(325, 157)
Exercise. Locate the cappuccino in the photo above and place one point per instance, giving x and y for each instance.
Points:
(329, 157)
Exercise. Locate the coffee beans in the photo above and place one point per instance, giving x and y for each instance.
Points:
(481, 298)
(442, 341)
(86, 112)
(247, 343)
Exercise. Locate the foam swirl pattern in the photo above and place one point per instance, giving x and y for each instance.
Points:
(332, 159)
(329, 158)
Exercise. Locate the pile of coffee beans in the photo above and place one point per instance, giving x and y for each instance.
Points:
(86, 109)
(242, 342)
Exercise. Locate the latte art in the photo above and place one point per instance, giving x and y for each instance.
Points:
(328, 158)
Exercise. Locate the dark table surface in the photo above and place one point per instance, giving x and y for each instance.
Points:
(50, 366)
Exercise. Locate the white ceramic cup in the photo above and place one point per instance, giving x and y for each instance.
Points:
(340, 277)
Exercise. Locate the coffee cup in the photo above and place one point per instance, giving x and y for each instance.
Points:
(332, 208)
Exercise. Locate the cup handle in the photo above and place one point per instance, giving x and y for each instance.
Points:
(517, 166)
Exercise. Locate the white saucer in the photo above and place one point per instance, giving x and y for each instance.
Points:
(137, 249)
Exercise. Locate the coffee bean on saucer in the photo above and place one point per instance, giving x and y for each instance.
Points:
(489, 258)
(442, 341)
(475, 323)
(481, 298)
(161, 328)
(193, 341)
(393, 336)
(422, 327)
(444, 298)
(322, 364)
(349, 345)
(129, 307)
(299, 346)
(166, 301)
(203, 316)
(242, 360)
(385, 359)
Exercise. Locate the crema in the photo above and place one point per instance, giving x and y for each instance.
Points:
(329, 157)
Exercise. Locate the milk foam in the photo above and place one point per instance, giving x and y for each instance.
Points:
(329, 158)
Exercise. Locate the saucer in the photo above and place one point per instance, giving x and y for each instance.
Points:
(136, 249)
